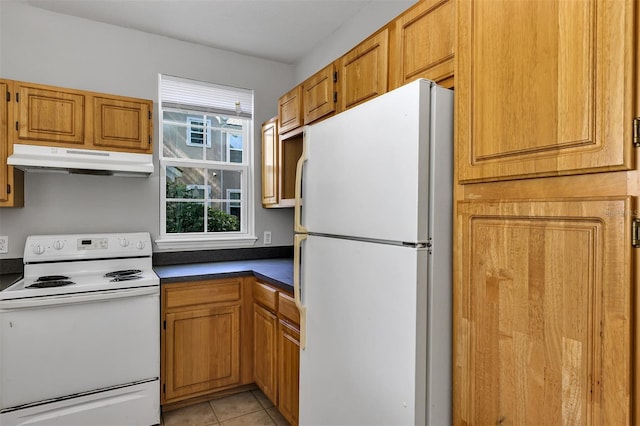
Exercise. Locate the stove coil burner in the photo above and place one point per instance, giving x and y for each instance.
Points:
(51, 281)
(124, 275)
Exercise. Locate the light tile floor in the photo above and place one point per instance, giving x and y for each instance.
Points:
(249, 408)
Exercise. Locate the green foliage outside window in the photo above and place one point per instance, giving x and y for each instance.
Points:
(184, 217)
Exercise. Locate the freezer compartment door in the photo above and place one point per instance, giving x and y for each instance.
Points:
(366, 171)
(365, 358)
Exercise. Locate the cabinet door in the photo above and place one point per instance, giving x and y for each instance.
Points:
(363, 71)
(544, 87)
(289, 152)
(4, 142)
(290, 110)
(288, 370)
(318, 94)
(202, 351)
(122, 124)
(270, 163)
(11, 179)
(423, 43)
(265, 351)
(51, 115)
(543, 312)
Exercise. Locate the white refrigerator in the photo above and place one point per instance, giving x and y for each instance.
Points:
(373, 262)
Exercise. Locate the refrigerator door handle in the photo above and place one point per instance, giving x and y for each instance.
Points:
(297, 246)
(297, 222)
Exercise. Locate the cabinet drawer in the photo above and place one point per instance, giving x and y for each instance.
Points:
(265, 296)
(288, 309)
(209, 291)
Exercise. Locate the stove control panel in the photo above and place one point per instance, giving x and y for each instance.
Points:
(93, 243)
(43, 248)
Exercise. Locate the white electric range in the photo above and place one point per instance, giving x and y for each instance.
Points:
(80, 333)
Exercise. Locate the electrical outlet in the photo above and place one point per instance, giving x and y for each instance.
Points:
(4, 245)
(267, 237)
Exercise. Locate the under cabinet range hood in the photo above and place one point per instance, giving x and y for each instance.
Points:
(32, 158)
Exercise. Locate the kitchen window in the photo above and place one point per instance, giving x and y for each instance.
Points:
(206, 165)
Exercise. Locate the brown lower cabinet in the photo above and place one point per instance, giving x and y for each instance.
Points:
(222, 336)
(203, 345)
(277, 348)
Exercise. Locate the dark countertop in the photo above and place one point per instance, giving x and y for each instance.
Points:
(278, 272)
(7, 279)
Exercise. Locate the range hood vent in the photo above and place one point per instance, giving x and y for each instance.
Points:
(32, 158)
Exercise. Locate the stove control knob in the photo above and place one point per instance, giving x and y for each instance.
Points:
(124, 242)
(140, 245)
(58, 245)
(38, 249)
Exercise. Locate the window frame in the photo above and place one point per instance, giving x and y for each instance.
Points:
(202, 240)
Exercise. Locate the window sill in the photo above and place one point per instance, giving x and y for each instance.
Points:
(203, 243)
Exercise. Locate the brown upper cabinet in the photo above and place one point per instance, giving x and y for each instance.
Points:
(11, 179)
(319, 94)
(363, 71)
(55, 116)
(544, 88)
(290, 110)
(270, 162)
(280, 155)
(422, 44)
(122, 123)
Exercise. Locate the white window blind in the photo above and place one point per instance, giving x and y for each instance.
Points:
(209, 98)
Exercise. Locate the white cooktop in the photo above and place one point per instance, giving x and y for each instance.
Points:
(64, 265)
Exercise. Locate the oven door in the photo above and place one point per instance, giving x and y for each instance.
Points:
(56, 348)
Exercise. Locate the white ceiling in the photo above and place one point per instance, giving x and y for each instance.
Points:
(280, 30)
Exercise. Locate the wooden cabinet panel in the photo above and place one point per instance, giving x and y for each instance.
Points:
(270, 169)
(290, 114)
(265, 351)
(318, 94)
(288, 371)
(287, 308)
(202, 350)
(363, 71)
(11, 179)
(266, 296)
(543, 321)
(423, 43)
(544, 87)
(4, 145)
(124, 124)
(203, 292)
(47, 114)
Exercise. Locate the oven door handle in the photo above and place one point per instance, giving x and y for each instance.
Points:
(68, 299)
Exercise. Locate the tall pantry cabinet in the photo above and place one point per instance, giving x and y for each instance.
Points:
(546, 268)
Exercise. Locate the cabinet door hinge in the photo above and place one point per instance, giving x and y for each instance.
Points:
(164, 388)
(636, 132)
(17, 97)
(335, 76)
(335, 97)
(149, 139)
(635, 232)
(8, 189)
(164, 324)
(149, 115)
(8, 96)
